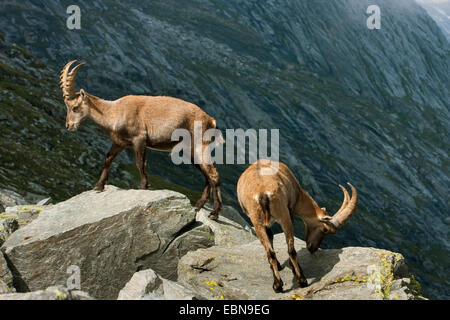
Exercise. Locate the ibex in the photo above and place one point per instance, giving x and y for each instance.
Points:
(278, 197)
(140, 122)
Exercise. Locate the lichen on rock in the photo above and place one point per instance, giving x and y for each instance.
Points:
(242, 272)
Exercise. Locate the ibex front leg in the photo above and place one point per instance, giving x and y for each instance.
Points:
(110, 156)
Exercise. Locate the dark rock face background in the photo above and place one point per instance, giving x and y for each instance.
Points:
(439, 10)
(366, 106)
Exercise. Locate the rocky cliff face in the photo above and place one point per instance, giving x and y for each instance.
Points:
(135, 244)
(241, 272)
(439, 10)
(367, 106)
(108, 236)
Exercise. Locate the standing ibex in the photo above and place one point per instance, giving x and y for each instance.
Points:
(278, 197)
(141, 122)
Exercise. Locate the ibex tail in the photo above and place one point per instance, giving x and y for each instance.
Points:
(265, 205)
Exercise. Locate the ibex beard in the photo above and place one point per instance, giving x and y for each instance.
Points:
(141, 122)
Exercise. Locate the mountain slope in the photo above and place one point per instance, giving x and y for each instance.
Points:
(440, 12)
(352, 104)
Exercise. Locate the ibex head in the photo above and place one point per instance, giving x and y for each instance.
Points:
(76, 102)
(315, 232)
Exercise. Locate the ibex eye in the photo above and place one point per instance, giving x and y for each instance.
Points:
(76, 109)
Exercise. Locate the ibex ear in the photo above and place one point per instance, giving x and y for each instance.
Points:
(83, 94)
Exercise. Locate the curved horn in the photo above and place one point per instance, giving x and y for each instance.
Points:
(63, 78)
(346, 199)
(68, 79)
(345, 212)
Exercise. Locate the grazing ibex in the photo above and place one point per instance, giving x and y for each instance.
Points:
(278, 197)
(141, 122)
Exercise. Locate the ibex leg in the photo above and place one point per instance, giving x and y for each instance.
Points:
(110, 156)
(270, 236)
(206, 191)
(212, 176)
(139, 147)
(288, 230)
(264, 238)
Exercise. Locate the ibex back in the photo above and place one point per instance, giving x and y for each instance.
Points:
(141, 122)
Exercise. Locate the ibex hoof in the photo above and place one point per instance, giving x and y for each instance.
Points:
(278, 287)
(199, 204)
(303, 283)
(213, 216)
(99, 188)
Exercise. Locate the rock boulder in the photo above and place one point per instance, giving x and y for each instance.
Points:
(51, 293)
(230, 229)
(6, 279)
(147, 285)
(243, 272)
(108, 236)
(10, 198)
(15, 217)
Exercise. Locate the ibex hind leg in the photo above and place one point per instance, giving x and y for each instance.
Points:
(213, 179)
(140, 150)
(214, 184)
(265, 241)
(206, 190)
(217, 198)
(270, 236)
